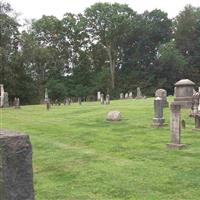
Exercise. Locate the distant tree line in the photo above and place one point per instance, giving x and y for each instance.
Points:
(108, 48)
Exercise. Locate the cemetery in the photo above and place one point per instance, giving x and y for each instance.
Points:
(100, 105)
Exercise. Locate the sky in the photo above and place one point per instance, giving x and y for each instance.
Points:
(29, 9)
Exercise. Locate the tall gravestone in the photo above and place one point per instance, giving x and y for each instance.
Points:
(102, 98)
(98, 96)
(126, 95)
(16, 173)
(2, 95)
(107, 99)
(139, 94)
(175, 127)
(158, 119)
(46, 97)
(130, 95)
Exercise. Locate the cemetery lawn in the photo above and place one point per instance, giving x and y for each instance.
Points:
(78, 155)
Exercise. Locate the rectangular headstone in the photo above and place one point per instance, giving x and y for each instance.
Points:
(16, 173)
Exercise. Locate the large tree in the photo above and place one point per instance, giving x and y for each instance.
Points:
(109, 25)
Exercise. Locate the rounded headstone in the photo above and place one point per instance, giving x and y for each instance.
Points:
(114, 116)
(183, 92)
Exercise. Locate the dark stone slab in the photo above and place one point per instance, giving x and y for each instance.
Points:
(16, 173)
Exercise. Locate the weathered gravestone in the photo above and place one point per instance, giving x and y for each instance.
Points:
(5, 100)
(102, 98)
(107, 99)
(46, 97)
(98, 96)
(16, 173)
(126, 96)
(175, 127)
(121, 95)
(16, 103)
(183, 93)
(139, 94)
(162, 93)
(158, 119)
(114, 116)
(130, 95)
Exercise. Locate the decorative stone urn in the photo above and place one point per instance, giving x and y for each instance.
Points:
(183, 93)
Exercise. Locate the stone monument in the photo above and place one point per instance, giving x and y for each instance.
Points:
(16, 173)
(102, 98)
(130, 95)
(107, 99)
(162, 93)
(46, 97)
(98, 96)
(126, 96)
(175, 127)
(183, 93)
(4, 102)
(139, 94)
(121, 95)
(16, 103)
(158, 119)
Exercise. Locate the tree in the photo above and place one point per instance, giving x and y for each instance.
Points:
(109, 25)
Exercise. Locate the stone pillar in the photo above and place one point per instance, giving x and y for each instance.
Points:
(175, 127)
(46, 97)
(2, 95)
(102, 98)
(16, 174)
(98, 96)
(158, 119)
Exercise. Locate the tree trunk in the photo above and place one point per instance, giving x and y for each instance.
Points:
(112, 68)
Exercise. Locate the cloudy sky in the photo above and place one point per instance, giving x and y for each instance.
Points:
(36, 8)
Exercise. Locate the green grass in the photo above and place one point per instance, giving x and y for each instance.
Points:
(78, 155)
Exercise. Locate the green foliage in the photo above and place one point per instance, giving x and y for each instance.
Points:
(109, 48)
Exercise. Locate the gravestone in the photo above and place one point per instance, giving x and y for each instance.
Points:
(175, 127)
(46, 97)
(162, 93)
(16, 103)
(126, 96)
(16, 173)
(98, 96)
(183, 92)
(5, 100)
(2, 95)
(107, 99)
(102, 98)
(130, 95)
(121, 95)
(139, 94)
(114, 116)
(158, 119)
(48, 105)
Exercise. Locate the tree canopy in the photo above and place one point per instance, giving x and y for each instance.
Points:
(108, 48)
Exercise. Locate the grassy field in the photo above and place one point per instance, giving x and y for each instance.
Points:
(78, 155)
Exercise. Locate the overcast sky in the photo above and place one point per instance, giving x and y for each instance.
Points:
(36, 8)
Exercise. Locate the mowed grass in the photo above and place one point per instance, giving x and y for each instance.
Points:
(78, 155)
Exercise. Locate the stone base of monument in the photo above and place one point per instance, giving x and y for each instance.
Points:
(158, 122)
(175, 146)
